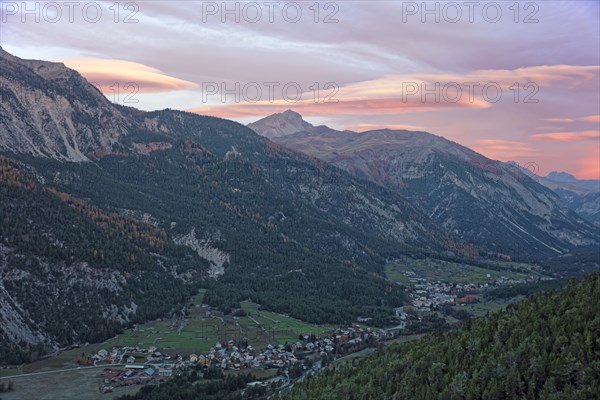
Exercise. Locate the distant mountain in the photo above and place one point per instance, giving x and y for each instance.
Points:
(561, 177)
(111, 215)
(581, 196)
(566, 181)
(485, 202)
(281, 124)
(587, 205)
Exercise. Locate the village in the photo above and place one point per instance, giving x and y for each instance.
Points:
(132, 365)
(427, 295)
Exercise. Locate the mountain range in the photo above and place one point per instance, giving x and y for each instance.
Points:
(112, 216)
(582, 196)
(494, 205)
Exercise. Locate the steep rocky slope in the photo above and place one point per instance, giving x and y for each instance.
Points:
(49, 110)
(222, 208)
(281, 124)
(72, 273)
(499, 208)
(581, 196)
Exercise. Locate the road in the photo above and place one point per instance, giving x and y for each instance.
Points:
(61, 370)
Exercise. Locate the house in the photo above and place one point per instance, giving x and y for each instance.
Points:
(106, 389)
(102, 353)
(193, 358)
(130, 360)
(203, 360)
(165, 372)
(150, 371)
(151, 349)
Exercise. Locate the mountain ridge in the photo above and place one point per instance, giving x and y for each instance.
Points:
(485, 202)
(239, 215)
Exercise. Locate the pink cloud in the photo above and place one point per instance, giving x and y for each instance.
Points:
(501, 149)
(589, 118)
(588, 167)
(567, 136)
(380, 106)
(104, 73)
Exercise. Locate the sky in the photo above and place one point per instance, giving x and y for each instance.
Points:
(515, 81)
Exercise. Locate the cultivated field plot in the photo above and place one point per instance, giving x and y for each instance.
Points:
(200, 330)
(481, 309)
(451, 272)
(80, 384)
(280, 328)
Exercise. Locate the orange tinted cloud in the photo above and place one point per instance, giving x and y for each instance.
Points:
(589, 167)
(559, 120)
(543, 75)
(105, 73)
(500, 149)
(309, 108)
(567, 136)
(393, 94)
(589, 118)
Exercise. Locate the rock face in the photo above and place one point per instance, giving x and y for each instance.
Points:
(281, 124)
(49, 110)
(493, 204)
(581, 196)
(157, 203)
(203, 247)
(586, 205)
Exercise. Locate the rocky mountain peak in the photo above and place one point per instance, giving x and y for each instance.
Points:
(508, 212)
(50, 110)
(280, 124)
(561, 177)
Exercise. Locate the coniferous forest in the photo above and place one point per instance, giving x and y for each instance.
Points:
(546, 347)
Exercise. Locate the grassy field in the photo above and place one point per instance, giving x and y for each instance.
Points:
(197, 333)
(395, 273)
(438, 270)
(283, 328)
(404, 339)
(197, 299)
(74, 384)
(347, 360)
(6, 372)
(481, 309)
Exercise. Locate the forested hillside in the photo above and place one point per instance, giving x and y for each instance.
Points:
(493, 205)
(547, 347)
(111, 215)
(71, 273)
